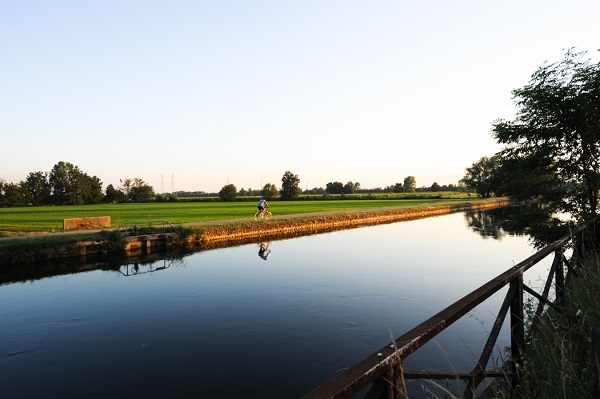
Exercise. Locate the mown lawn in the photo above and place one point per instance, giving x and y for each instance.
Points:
(50, 218)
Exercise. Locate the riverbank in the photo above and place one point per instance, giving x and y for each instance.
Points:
(215, 234)
(220, 235)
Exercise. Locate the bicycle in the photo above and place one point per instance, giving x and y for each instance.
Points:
(264, 214)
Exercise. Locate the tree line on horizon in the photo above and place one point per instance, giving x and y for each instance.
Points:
(290, 189)
(357, 189)
(67, 184)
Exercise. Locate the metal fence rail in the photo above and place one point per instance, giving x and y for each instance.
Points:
(383, 369)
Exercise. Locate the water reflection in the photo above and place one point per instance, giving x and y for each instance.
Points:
(126, 265)
(263, 250)
(497, 223)
(540, 224)
(280, 328)
(534, 220)
(148, 266)
(485, 223)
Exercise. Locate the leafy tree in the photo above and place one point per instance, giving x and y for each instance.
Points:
(114, 195)
(71, 186)
(141, 191)
(39, 188)
(13, 194)
(290, 186)
(449, 187)
(62, 181)
(349, 188)
(228, 192)
(482, 176)
(269, 191)
(334, 188)
(552, 147)
(435, 187)
(134, 190)
(316, 190)
(126, 188)
(397, 188)
(90, 189)
(462, 187)
(410, 184)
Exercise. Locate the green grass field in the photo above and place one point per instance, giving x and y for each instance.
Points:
(50, 218)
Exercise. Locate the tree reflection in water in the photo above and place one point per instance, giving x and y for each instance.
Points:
(534, 220)
(125, 265)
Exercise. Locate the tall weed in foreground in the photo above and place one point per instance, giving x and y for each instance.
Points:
(558, 361)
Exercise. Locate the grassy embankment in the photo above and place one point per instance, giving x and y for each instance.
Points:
(27, 220)
(217, 223)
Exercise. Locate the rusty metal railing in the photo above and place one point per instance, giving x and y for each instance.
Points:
(383, 370)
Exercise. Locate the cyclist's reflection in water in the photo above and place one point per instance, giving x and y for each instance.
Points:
(264, 250)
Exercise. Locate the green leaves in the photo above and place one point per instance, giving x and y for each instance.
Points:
(290, 186)
(552, 147)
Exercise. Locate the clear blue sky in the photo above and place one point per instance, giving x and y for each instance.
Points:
(198, 94)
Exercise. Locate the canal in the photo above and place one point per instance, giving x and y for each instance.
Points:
(241, 322)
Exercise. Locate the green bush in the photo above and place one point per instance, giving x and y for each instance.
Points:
(558, 360)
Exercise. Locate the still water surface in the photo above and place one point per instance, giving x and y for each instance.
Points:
(226, 323)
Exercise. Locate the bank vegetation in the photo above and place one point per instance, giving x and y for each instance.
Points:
(222, 233)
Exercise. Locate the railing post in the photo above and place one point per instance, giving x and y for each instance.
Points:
(596, 361)
(517, 329)
(390, 385)
(559, 280)
(395, 380)
(578, 247)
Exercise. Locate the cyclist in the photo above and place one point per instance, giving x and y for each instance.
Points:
(262, 204)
